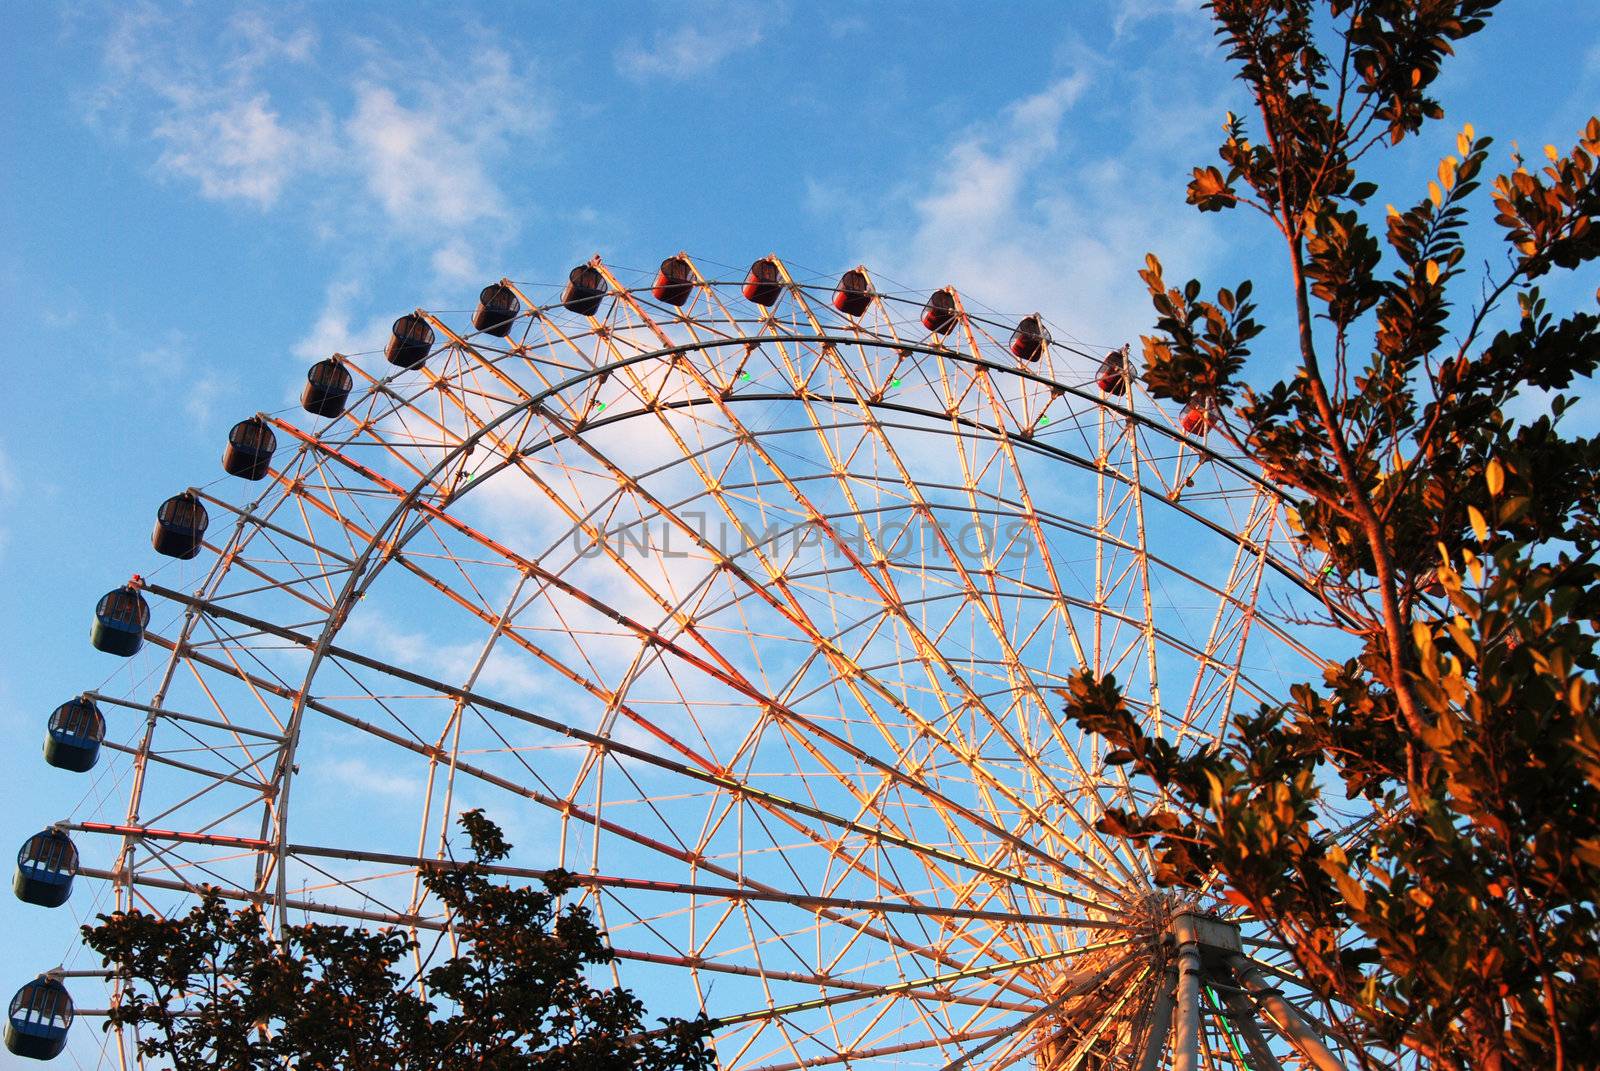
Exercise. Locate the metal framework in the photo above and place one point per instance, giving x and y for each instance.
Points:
(752, 617)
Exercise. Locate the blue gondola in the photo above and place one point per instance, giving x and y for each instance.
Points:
(72, 738)
(119, 621)
(410, 339)
(586, 288)
(328, 384)
(764, 283)
(45, 867)
(180, 526)
(497, 310)
(41, 1015)
(250, 447)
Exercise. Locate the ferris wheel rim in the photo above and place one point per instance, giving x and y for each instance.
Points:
(393, 533)
(361, 577)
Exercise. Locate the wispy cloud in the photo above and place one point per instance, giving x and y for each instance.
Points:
(1130, 13)
(332, 332)
(237, 149)
(698, 46)
(270, 116)
(429, 162)
(1037, 209)
(205, 108)
(166, 365)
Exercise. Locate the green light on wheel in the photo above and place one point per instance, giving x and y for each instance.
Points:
(600, 408)
(744, 375)
(1043, 421)
(894, 383)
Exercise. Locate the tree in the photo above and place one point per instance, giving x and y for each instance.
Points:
(215, 989)
(1455, 915)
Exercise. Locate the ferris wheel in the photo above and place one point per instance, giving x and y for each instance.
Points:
(746, 601)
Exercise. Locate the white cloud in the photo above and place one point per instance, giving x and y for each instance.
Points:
(240, 149)
(696, 47)
(260, 117)
(205, 109)
(361, 778)
(1131, 12)
(455, 261)
(1036, 210)
(332, 332)
(983, 178)
(428, 163)
(203, 393)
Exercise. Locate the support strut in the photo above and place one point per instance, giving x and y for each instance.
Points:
(1284, 1017)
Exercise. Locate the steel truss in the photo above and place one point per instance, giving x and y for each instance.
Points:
(753, 619)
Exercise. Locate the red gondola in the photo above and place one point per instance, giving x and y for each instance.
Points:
(854, 294)
(764, 283)
(1031, 338)
(674, 282)
(939, 314)
(1113, 375)
(1199, 416)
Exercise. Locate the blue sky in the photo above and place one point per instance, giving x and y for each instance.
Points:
(199, 201)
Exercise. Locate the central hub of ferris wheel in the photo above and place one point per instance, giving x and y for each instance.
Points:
(1207, 983)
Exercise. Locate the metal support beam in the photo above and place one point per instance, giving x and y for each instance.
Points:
(1155, 1045)
(1244, 1020)
(1284, 1017)
(1186, 1052)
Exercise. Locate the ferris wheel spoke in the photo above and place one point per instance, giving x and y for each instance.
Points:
(1224, 646)
(918, 989)
(791, 608)
(997, 632)
(780, 577)
(755, 608)
(776, 804)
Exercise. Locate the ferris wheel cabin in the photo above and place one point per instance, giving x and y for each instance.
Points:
(328, 385)
(180, 526)
(764, 283)
(497, 310)
(45, 867)
(1199, 416)
(119, 621)
(73, 735)
(249, 451)
(586, 288)
(1031, 338)
(1113, 374)
(854, 293)
(674, 282)
(41, 1015)
(939, 314)
(410, 339)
